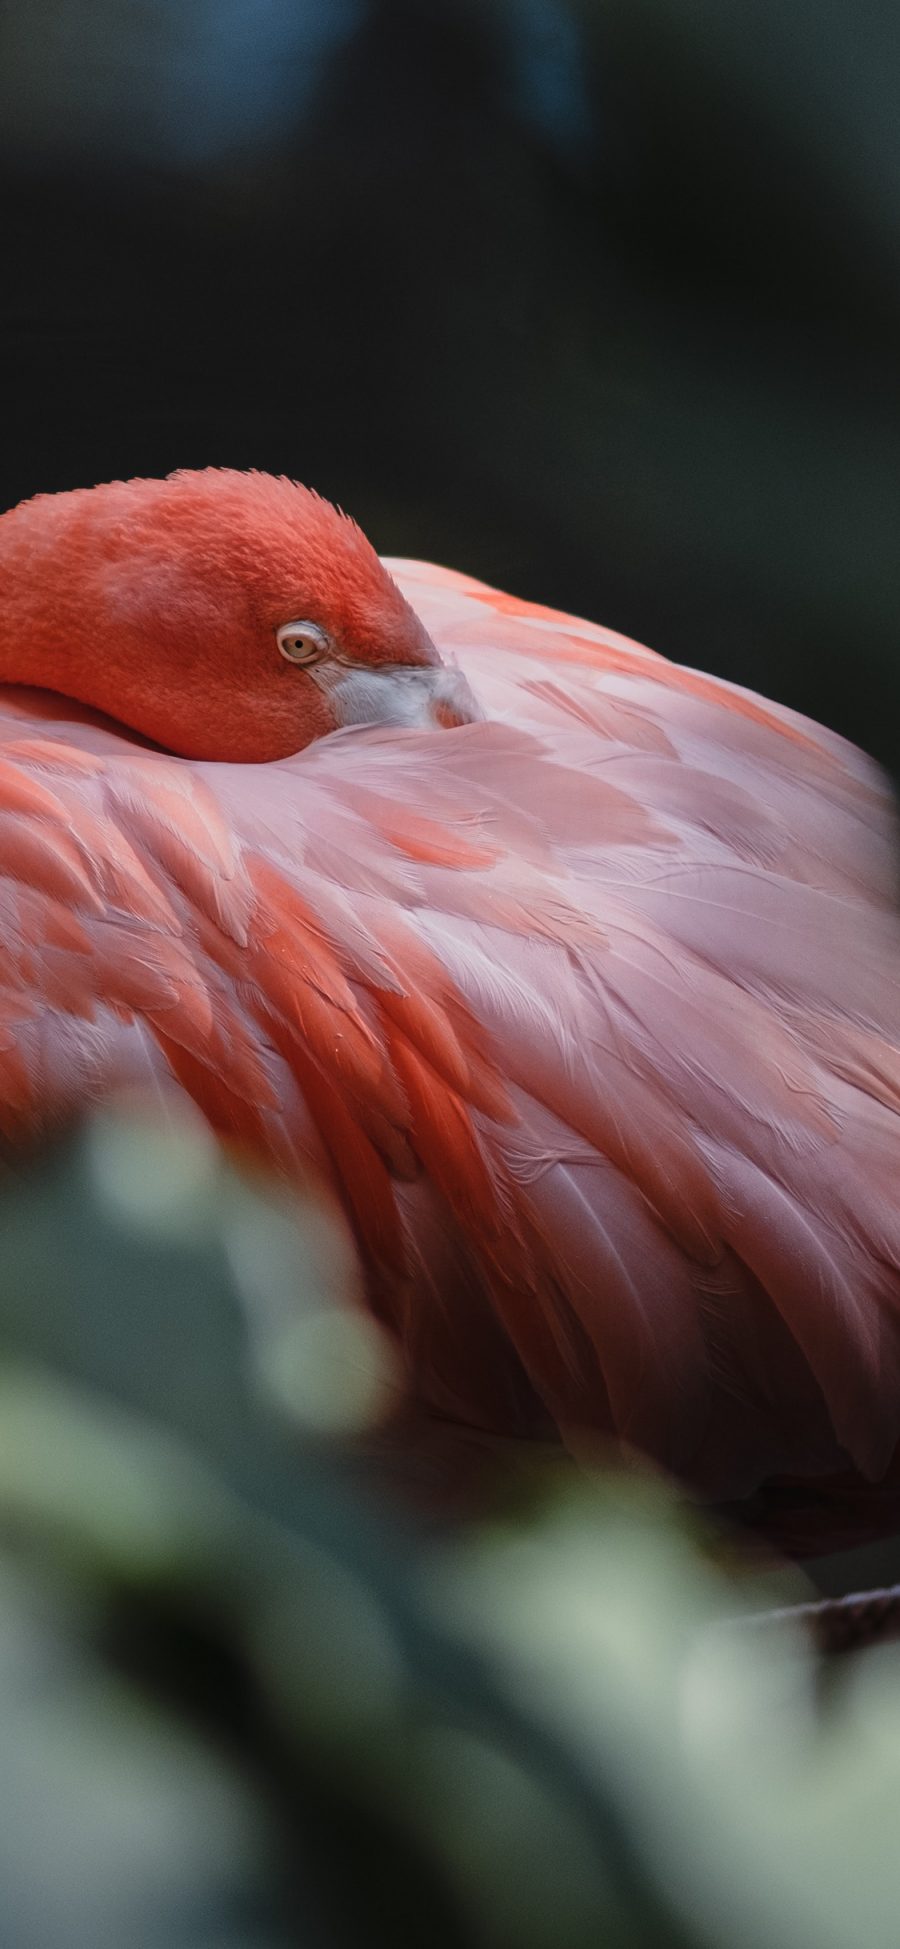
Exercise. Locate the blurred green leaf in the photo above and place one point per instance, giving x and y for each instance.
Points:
(548, 1730)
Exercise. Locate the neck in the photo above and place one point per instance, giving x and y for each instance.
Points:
(42, 628)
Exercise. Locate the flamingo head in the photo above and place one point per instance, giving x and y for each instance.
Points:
(223, 615)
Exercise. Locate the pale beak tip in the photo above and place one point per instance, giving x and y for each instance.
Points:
(453, 703)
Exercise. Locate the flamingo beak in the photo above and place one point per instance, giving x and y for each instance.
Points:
(426, 697)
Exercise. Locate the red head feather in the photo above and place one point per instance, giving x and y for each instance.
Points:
(157, 601)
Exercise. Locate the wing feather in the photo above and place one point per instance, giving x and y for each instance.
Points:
(589, 1012)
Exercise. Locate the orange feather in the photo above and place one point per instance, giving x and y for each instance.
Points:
(586, 1007)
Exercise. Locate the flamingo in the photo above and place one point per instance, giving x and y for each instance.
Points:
(571, 972)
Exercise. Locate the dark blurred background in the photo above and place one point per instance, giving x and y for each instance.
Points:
(597, 299)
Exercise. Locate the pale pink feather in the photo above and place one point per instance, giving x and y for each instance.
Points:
(589, 1013)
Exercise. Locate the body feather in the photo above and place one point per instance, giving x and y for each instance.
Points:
(588, 1013)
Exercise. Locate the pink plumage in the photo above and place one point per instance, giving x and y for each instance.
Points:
(588, 1011)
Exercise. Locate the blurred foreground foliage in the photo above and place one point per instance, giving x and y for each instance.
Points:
(243, 1707)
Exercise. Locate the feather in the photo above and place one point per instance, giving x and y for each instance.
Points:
(587, 1011)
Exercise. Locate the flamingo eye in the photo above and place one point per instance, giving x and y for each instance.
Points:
(302, 642)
